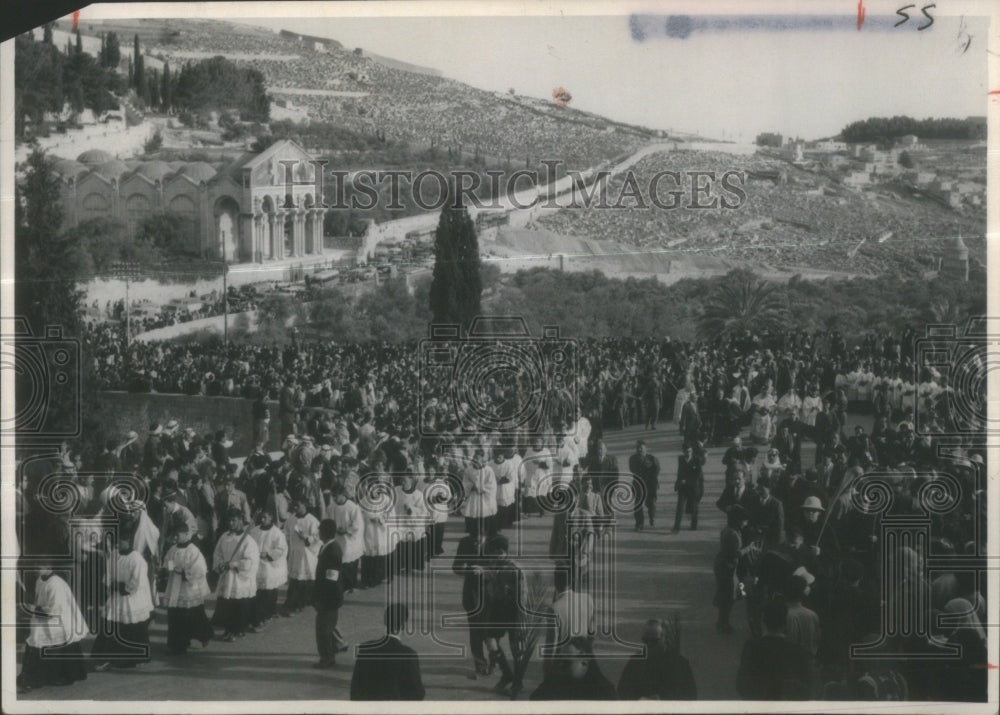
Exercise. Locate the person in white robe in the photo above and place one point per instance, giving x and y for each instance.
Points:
(535, 476)
(506, 475)
(302, 535)
(236, 560)
(184, 594)
(682, 398)
(438, 495)
(350, 534)
(52, 655)
(762, 427)
(479, 485)
(272, 573)
(812, 405)
(408, 528)
(789, 407)
(374, 561)
(123, 640)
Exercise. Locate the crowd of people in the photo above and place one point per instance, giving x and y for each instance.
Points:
(806, 221)
(395, 102)
(376, 459)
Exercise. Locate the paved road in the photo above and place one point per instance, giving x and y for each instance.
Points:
(656, 575)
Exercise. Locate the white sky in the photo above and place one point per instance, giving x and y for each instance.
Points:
(805, 83)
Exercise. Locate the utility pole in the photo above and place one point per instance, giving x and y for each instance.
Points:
(127, 271)
(225, 296)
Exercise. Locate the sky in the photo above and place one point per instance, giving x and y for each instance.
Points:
(724, 84)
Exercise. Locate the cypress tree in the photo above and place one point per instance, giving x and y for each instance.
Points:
(456, 285)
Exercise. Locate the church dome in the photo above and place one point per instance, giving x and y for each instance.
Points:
(93, 157)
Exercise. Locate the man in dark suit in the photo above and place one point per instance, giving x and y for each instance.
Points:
(738, 492)
(386, 669)
(603, 468)
(690, 485)
(770, 516)
(328, 594)
(645, 468)
(772, 667)
(690, 424)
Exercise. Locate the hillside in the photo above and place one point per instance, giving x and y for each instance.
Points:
(800, 220)
(376, 95)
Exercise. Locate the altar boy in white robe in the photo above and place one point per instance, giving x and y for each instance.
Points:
(350, 533)
(52, 655)
(302, 534)
(123, 640)
(236, 560)
(185, 593)
(273, 571)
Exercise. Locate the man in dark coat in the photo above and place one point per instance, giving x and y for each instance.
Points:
(470, 563)
(386, 669)
(690, 424)
(661, 673)
(771, 666)
(328, 594)
(645, 468)
(690, 485)
(603, 468)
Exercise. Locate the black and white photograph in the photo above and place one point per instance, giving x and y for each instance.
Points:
(500, 357)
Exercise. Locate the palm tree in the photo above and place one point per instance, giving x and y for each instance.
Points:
(742, 302)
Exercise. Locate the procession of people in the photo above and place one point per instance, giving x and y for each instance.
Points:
(373, 481)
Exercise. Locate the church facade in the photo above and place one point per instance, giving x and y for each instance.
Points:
(243, 211)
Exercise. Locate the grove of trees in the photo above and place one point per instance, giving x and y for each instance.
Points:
(883, 129)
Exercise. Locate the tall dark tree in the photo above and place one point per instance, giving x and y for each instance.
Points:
(154, 89)
(137, 68)
(456, 286)
(113, 51)
(45, 259)
(79, 43)
(47, 33)
(166, 93)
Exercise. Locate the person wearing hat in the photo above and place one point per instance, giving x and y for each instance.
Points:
(302, 536)
(236, 560)
(185, 592)
(819, 542)
(645, 468)
(124, 641)
(328, 595)
(273, 571)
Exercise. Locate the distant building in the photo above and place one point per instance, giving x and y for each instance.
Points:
(829, 145)
(242, 209)
(908, 140)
